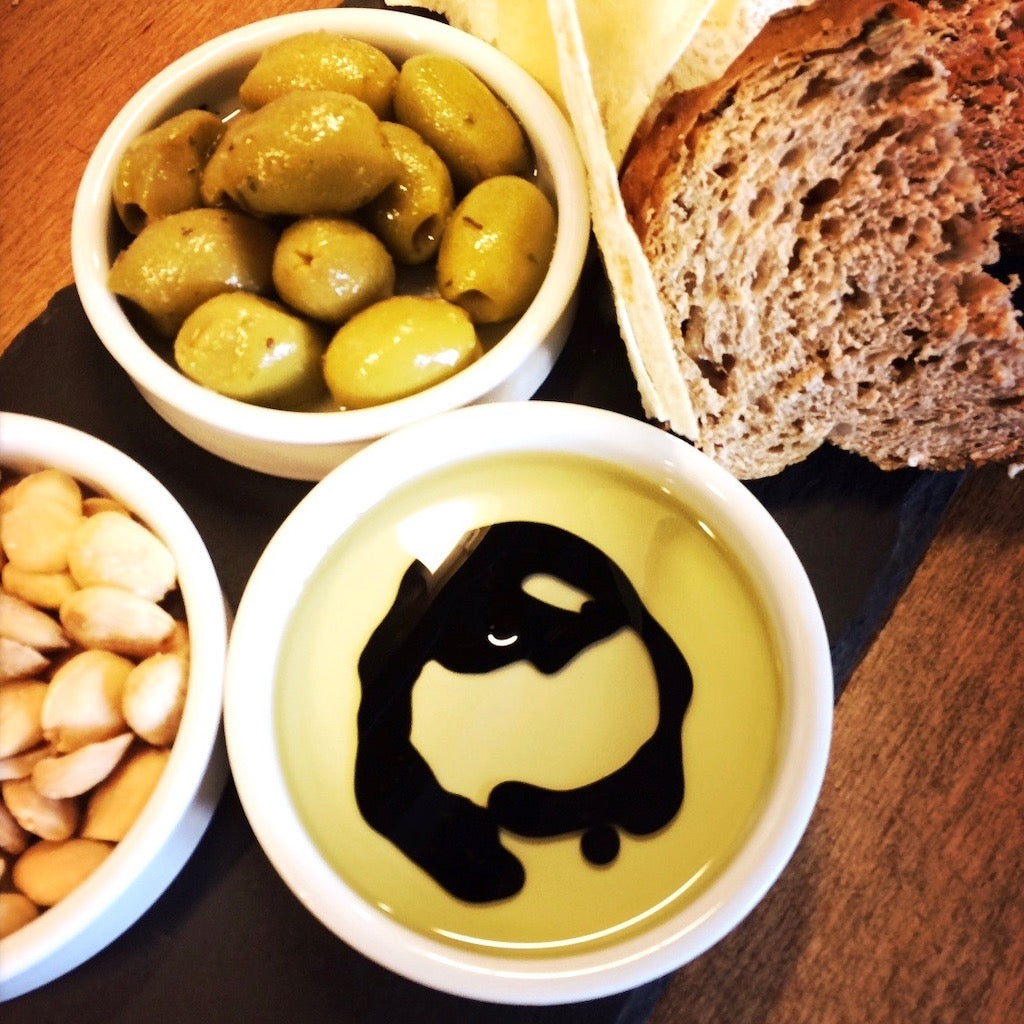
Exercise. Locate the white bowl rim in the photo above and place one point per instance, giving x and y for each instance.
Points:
(292, 556)
(145, 862)
(550, 135)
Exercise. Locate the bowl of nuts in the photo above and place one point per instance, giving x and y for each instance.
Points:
(113, 631)
(325, 226)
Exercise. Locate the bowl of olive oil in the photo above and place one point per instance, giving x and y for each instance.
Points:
(530, 703)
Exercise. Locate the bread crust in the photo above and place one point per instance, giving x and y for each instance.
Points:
(808, 30)
(981, 44)
(849, 304)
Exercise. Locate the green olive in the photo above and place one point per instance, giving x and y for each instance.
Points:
(409, 216)
(459, 116)
(178, 262)
(252, 349)
(322, 60)
(329, 268)
(160, 171)
(303, 153)
(497, 249)
(396, 348)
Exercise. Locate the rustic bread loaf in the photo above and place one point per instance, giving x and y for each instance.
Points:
(816, 234)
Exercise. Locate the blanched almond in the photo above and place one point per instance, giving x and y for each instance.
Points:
(49, 484)
(16, 910)
(13, 838)
(118, 800)
(19, 766)
(35, 534)
(100, 503)
(48, 871)
(18, 660)
(68, 775)
(83, 702)
(154, 697)
(21, 715)
(25, 623)
(178, 641)
(112, 549)
(43, 589)
(38, 814)
(116, 620)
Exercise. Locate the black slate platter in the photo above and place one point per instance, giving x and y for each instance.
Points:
(228, 941)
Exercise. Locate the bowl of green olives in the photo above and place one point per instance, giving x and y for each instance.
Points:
(328, 225)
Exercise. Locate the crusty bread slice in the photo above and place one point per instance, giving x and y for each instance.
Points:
(981, 44)
(815, 232)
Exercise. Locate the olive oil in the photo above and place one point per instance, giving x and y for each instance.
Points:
(530, 775)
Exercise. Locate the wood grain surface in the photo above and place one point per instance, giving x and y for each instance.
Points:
(904, 903)
(66, 68)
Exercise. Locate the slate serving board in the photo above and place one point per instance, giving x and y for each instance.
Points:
(228, 941)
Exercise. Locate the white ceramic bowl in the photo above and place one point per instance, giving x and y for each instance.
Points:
(305, 445)
(354, 506)
(161, 840)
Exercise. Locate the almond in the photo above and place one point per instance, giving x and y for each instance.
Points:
(35, 534)
(48, 871)
(83, 702)
(119, 799)
(67, 775)
(38, 814)
(110, 548)
(28, 625)
(117, 620)
(16, 910)
(154, 697)
(21, 715)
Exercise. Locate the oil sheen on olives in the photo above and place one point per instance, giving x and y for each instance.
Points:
(330, 268)
(161, 170)
(252, 349)
(178, 262)
(497, 248)
(337, 215)
(322, 60)
(398, 347)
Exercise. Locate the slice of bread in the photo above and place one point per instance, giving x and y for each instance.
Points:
(815, 230)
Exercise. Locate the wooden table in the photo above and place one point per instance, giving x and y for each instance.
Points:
(904, 902)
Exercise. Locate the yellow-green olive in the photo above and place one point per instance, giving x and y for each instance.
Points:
(252, 349)
(178, 262)
(160, 171)
(459, 116)
(330, 268)
(322, 60)
(497, 249)
(303, 153)
(410, 215)
(396, 348)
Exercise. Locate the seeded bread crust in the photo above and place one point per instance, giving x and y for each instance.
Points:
(817, 240)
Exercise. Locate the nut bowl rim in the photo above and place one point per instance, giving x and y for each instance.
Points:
(178, 83)
(352, 489)
(174, 819)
